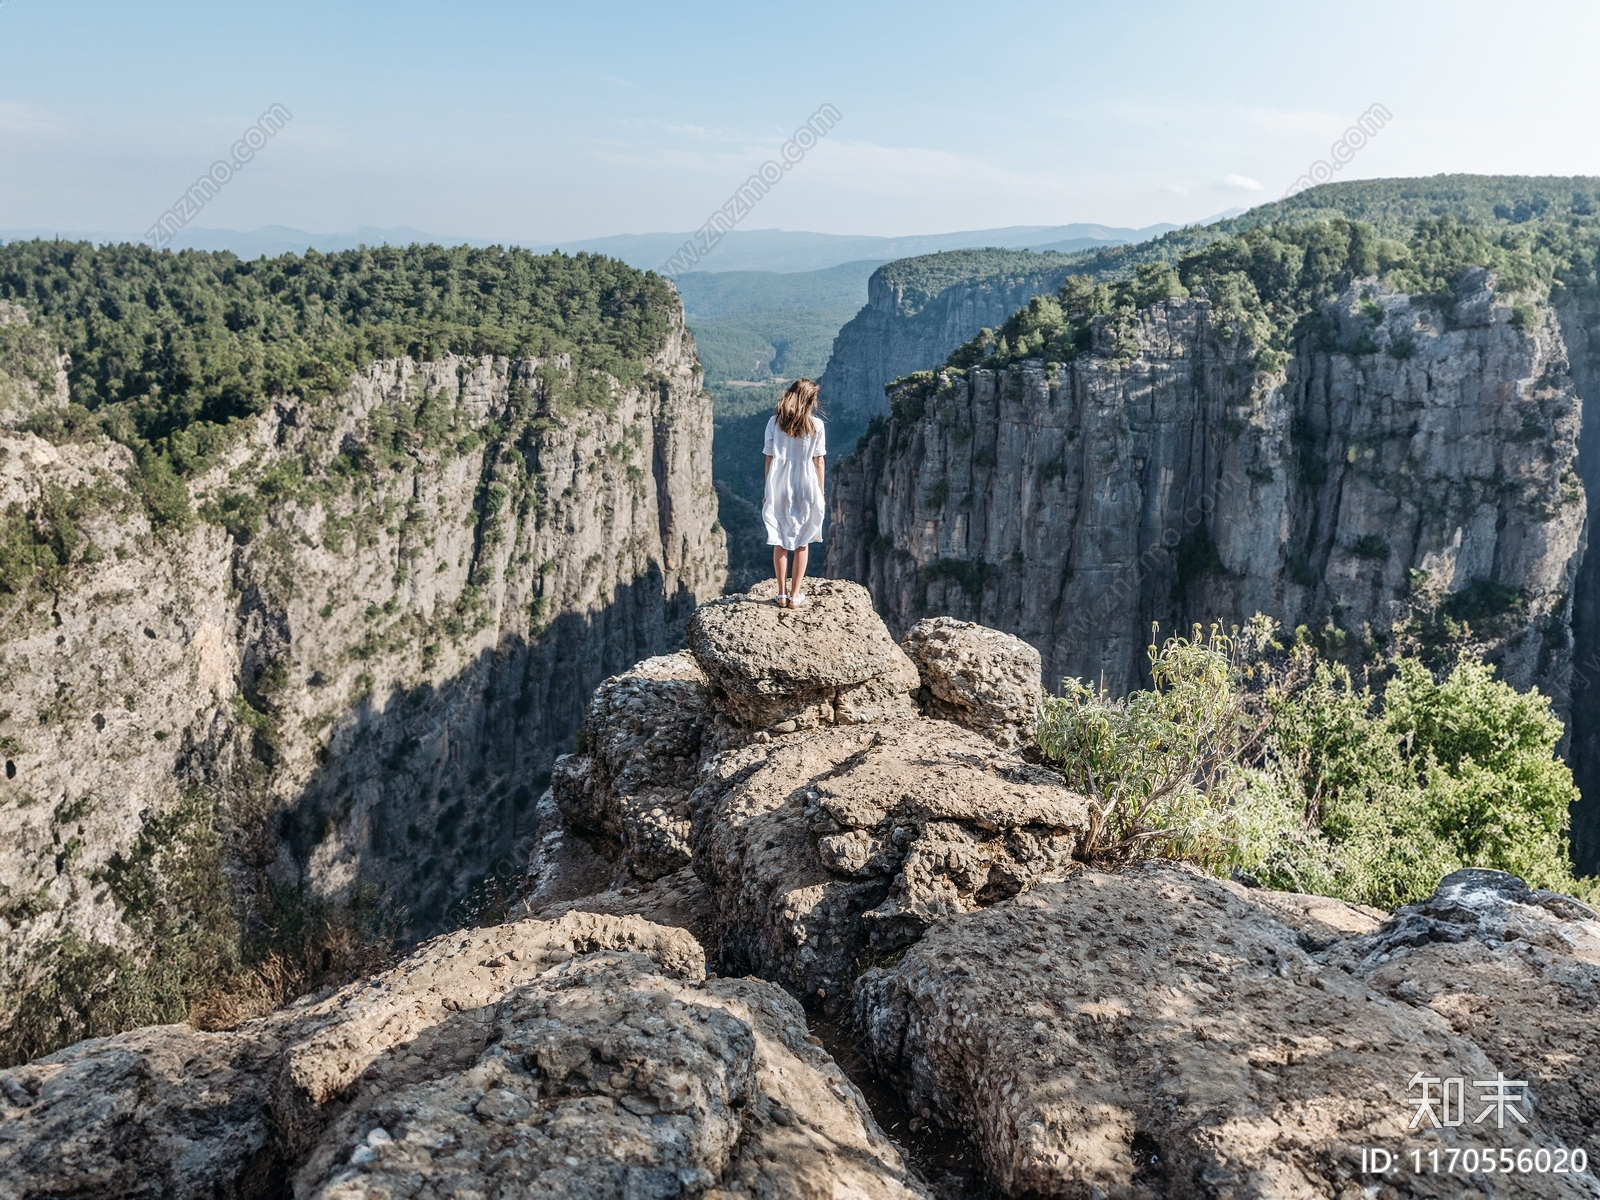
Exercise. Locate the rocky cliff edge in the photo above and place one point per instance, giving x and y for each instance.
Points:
(798, 820)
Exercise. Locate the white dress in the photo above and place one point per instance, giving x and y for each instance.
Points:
(793, 506)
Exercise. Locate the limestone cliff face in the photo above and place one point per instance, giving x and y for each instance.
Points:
(352, 678)
(1580, 328)
(904, 329)
(1424, 462)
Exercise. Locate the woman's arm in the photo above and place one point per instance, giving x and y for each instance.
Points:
(818, 462)
(767, 470)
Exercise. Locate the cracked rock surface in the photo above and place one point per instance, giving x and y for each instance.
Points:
(608, 1077)
(584, 1057)
(1160, 1033)
(830, 662)
(642, 736)
(1516, 970)
(978, 677)
(824, 847)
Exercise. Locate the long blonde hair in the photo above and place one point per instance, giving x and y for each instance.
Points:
(795, 407)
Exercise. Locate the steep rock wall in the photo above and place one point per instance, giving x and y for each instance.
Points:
(348, 684)
(1580, 327)
(903, 330)
(1421, 462)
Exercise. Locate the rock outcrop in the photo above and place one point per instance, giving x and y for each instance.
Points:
(1424, 465)
(824, 849)
(1146, 1033)
(586, 1057)
(356, 690)
(828, 662)
(978, 677)
(1167, 1034)
(643, 733)
(827, 822)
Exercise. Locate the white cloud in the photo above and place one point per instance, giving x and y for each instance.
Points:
(16, 117)
(1242, 181)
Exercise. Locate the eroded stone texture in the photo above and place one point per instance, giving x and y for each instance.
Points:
(164, 1112)
(978, 677)
(562, 865)
(582, 1057)
(829, 662)
(1516, 970)
(1158, 1033)
(339, 1041)
(822, 847)
(181, 1113)
(605, 1077)
(680, 900)
(631, 786)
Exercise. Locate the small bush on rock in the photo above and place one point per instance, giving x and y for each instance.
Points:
(1248, 755)
(1161, 766)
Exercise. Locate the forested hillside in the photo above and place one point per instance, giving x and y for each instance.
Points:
(168, 350)
(920, 309)
(307, 566)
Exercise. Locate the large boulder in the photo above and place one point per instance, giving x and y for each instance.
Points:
(831, 662)
(1513, 968)
(608, 1077)
(979, 677)
(165, 1113)
(583, 1057)
(1160, 1033)
(405, 1024)
(822, 848)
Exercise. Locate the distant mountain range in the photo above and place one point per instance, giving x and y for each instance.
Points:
(741, 250)
(782, 250)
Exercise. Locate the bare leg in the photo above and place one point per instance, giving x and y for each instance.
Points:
(800, 558)
(780, 568)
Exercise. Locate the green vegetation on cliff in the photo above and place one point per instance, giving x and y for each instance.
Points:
(1250, 755)
(1293, 253)
(1393, 207)
(1268, 282)
(170, 349)
(170, 352)
(920, 279)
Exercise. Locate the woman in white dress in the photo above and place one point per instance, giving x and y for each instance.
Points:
(793, 506)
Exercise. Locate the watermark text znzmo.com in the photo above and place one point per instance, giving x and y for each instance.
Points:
(187, 206)
(748, 193)
(1343, 149)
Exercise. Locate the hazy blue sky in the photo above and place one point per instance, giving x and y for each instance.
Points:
(536, 122)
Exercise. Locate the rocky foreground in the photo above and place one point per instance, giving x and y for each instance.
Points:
(797, 815)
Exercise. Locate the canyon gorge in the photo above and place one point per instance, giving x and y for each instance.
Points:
(400, 800)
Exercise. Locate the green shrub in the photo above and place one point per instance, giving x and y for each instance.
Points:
(1246, 755)
(1371, 545)
(1157, 765)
